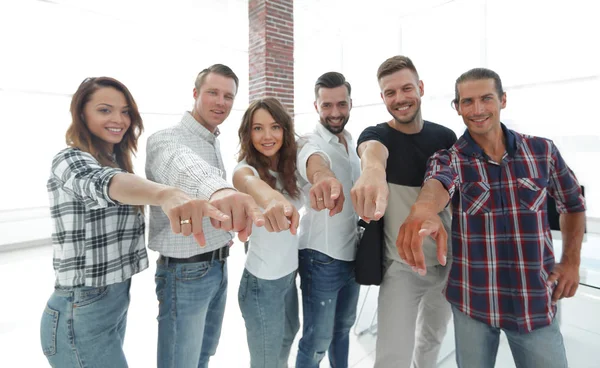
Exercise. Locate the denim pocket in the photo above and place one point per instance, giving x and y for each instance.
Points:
(88, 295)
(243, 291)
(160, 282)
(323, 259)
(49, 327)
(193, 272)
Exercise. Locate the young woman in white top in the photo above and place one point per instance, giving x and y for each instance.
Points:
(96, 206)
(267, 171)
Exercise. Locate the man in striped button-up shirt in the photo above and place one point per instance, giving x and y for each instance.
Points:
(504, 276)
(191, 281)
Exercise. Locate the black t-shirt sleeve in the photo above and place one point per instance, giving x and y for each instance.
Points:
(451, 139)
(372, 133)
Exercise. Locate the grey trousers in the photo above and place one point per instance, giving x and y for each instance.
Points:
(412, 317)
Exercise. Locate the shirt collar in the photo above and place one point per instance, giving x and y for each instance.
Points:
(328, 136)
(198, 129)
(469, 147)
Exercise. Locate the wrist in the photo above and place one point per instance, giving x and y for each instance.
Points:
(321, 175)
(165, 194)
(570, 259)
(377, 172)
(223, 192)
(424, 207)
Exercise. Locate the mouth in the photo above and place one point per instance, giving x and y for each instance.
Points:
(335, 121)
(218, 112)
(403, 108)
(479, 120)
(268, 145)
(115, 131)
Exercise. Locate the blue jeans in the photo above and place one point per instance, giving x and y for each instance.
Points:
(477, 344)
(329, 299)
(85, 326)
(191, 305)
(270, 310)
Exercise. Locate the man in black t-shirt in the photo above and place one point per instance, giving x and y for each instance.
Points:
(413, 313)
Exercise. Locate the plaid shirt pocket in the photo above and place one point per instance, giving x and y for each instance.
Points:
(475, 197)
(532, 192)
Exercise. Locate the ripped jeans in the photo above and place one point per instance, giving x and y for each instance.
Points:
(329, 299)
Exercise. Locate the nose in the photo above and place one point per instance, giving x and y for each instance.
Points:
(335, 112)
(478, 107)
(220, 100)
(117, 117)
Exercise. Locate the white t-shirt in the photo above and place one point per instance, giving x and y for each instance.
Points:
(272, 255)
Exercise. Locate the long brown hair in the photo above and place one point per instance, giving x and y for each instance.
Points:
(286, 163)
(79, 136)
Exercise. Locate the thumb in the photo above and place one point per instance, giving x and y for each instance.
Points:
(380, 206)
(287, 211)
(335, 191)
(553, 278)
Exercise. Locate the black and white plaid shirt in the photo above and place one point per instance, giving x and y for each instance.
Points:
(97, 241)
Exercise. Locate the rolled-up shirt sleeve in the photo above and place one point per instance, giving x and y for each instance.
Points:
(563, 185)
(306, 148)
(439, 167)
(81, 176)
(172, 163)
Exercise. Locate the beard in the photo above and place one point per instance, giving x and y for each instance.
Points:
(335, 129)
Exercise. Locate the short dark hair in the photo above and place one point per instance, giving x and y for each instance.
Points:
(220, 69)
(331, 80)
(394, 64)
(474, 75)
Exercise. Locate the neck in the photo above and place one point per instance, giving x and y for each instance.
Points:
(493, 143)
(414, 127)
(201, 121)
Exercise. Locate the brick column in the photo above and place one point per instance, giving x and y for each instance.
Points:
(271, 50)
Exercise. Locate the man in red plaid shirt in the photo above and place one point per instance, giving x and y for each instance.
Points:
(503, 276)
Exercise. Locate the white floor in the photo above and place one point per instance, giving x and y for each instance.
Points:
(27, 281)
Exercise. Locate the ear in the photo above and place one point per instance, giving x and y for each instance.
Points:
(457, 108)
(381, 95)
(196, 93)
(350, 106)
(421, 88)
(503, 101)
(316, 108)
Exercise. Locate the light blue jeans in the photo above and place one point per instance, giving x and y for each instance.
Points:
(477, 344)
(85, 326)
(329, 299)
(191, 305)
(270, 310)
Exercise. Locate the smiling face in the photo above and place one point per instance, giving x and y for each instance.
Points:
(479, 105)
(266, 135)
(214, 100)
(401, 93)
(106, 115)
(333, 106)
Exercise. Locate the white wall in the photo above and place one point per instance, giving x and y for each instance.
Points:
(48, 48)
(545, 52)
